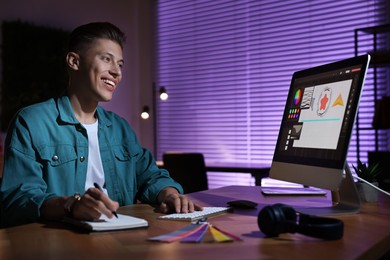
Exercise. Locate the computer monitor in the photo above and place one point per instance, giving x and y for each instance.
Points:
(316, 128)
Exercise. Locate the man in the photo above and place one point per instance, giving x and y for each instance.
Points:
(56, 151)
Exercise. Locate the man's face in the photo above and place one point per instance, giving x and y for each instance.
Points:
(100, 70)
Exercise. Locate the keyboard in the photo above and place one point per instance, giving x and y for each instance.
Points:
(196, 215)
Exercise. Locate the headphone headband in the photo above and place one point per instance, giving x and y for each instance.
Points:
(320, 227)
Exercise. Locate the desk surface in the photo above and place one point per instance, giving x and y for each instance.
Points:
(366, 235)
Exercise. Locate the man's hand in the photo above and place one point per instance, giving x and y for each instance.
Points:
(171, 201)
(89, 206)
(92, 204)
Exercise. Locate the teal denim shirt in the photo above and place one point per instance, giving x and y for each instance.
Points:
(46, 156)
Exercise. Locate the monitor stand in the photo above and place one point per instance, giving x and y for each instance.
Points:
(345, 200)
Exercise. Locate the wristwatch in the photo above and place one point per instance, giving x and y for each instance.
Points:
(70, 203)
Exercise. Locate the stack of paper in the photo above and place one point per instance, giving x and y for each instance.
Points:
(197, 233)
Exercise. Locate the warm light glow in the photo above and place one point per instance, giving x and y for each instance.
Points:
(145, 115)
(163, 93)
(145, 112)
(164, 96)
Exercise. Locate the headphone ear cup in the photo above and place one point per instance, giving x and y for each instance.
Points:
(276, 219)
(290, 215)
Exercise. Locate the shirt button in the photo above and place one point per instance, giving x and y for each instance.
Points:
(55, 158)
(82, 158)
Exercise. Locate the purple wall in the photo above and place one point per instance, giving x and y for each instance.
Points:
(131, 94)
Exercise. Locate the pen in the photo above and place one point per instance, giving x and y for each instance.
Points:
(97, 186)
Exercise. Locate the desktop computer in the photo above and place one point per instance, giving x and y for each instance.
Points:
(316, 129)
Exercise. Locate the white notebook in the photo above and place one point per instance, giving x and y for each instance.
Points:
(106, 224)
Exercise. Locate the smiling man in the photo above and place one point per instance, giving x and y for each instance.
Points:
(60, 151)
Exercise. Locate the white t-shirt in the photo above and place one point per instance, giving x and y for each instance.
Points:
(95, 171)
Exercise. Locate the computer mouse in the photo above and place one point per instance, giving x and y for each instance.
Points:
(243, 204)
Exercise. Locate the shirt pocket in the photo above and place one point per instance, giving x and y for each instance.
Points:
(124, 173)
(55, 156)
(125, 152)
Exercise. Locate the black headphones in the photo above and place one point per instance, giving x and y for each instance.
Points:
(280, 218)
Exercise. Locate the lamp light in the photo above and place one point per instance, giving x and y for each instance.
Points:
(145, 113)
(163, 93)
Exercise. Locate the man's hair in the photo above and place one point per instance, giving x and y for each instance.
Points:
(85, 34)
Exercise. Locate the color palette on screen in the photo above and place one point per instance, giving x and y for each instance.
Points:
(298, 97)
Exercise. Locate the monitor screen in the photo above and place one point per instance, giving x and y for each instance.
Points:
(317, 123)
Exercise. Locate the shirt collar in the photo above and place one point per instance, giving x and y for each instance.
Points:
(66, 113)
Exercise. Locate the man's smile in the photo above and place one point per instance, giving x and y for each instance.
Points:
(111, 83)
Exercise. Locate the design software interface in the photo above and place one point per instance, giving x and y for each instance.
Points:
(317, 117)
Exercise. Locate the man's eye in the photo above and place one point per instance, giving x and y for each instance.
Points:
(106, 59)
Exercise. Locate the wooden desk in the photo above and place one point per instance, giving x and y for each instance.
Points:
(366, 235)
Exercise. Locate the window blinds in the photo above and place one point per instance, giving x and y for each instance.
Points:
(227, 66)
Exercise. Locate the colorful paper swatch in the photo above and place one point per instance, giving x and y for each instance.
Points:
(197, 236)
(178, 234)
(202, 232)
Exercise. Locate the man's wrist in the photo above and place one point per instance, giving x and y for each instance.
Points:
(70, 203)
(164, 193)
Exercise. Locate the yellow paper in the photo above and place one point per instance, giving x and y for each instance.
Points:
(218, 236)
